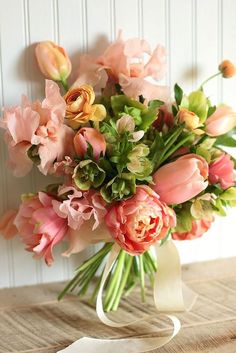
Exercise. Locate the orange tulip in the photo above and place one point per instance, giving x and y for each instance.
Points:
(53, 61)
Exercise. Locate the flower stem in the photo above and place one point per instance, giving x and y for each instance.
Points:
(209, 78)
(123, 281)
(117, 276)
(64, 84)
(142, 277)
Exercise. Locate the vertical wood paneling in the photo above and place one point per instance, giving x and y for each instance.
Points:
(197, 35)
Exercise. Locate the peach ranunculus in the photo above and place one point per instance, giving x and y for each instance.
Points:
(88, 135)
(53, 61)
(191, 120)
(221, 121)
(137, 223)
(199, 227)
(40, 126)
(80, 108)
(39, 226)
(222, 171)
(7, 227)
(181, 180)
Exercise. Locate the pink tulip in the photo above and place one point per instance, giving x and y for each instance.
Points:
(39, 226)
(222, 171)
(181, 180)
(221, 121)
(7, 227)
(135, 224)
(199, 227)
(53, 61)
(86, 136)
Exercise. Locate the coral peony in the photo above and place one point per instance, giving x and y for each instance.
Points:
(39, 225)
(140, 221)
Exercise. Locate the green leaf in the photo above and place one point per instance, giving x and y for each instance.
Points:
(174, 110)
(226, 140)
(155, 104)
(184, 221)
(211, 111)
(178, 94)
(229, 194)
(119, 102)
(198, 103)
(148, 117)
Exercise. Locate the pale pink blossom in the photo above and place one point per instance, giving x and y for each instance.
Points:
(125, 63)
(222, 171)
(181, 180)
(221, 121)
(136, 223)
(80, 207)
(41, 125)
(7, 227)
(126, 124)
(89, 136)
(199, 227)
(39, 226)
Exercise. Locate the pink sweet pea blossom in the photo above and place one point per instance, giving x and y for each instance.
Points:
(181, 180)
(39, 124)
(124, 63)
(80, 207)
(221, 121)
(199, 227)
(222, 171)
(39, 226)
(7, 227)
(135, 224)
(89, 135)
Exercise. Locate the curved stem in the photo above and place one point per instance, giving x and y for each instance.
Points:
(65, 84)
(209, 78)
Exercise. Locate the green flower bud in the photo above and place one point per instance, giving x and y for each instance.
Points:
(119, 188)
(139, 164)
(88, 174)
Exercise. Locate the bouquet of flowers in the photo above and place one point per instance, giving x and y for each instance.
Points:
(135, 166)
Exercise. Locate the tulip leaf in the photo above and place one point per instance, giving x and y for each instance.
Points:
(155, 104)
(226, 140)
(211, 111)
(178, 94)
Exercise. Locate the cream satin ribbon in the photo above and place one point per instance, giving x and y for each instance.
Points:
(169, 296)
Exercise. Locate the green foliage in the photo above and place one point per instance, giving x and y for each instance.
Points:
(119, 188)
(178, 94)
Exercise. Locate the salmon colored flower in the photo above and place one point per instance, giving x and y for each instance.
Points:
(137, 223)
(221, 121)
(7, 227)
(181, 180)
(227, 69)
(199, 227)
(39, 226)
(88, 136)
(80, 108)
(53, 61)
(222, 171)
(40, 126)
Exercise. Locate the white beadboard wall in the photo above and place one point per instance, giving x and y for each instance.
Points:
(197, 34)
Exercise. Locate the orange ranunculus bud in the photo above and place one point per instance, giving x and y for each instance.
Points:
(227, 69)
(53, 61)
(80, 108)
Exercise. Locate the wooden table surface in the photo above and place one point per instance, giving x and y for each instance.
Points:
(31, 319)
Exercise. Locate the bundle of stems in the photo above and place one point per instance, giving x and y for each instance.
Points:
(127, 271)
